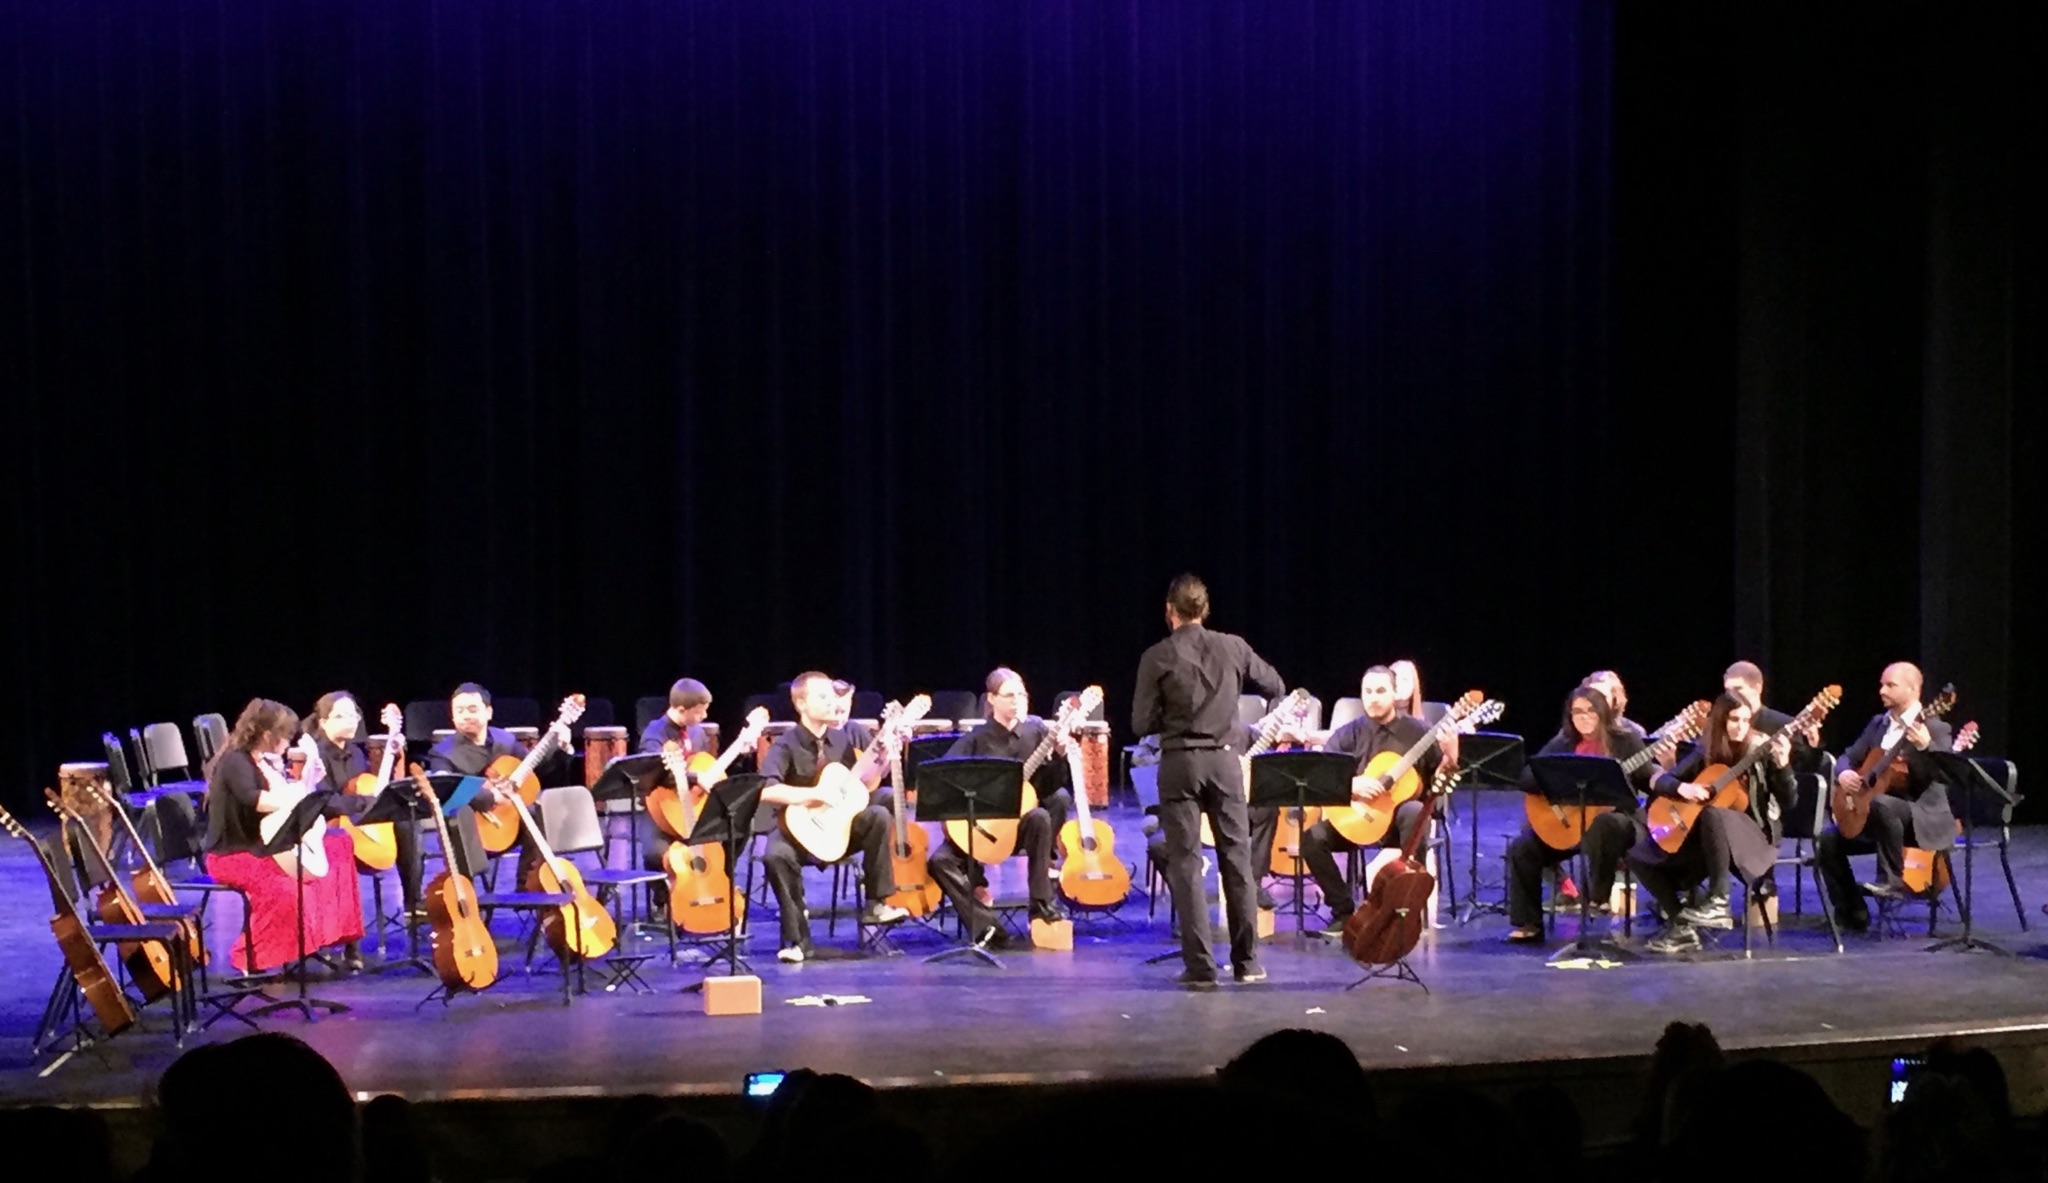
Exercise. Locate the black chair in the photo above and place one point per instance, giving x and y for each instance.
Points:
(780, 709)
(597, 712)
(868, 704)
(170, 767)
(518, 712)
(179, 845)
(1813, 771)
(646, 709)
(119, 777)
(956, 704)
(210, 731)
(422, 718)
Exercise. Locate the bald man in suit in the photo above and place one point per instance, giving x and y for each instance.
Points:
(1919, 816)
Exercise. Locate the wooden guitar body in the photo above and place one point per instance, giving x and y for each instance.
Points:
(82, 957)
(498, 826)
(824, 831)
(915, 892)
(465, 955)
(1367, 822)
(583, 928)
(1092, 875)
(1561, 827)
(377, 842)
(148, 962)
(698, 885)
(995, 839)
(1671, 819)
(1883, 771)
(1388, 925)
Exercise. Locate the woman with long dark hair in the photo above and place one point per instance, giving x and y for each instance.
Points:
(1589, 729)
(1722, 839)
(244, 781)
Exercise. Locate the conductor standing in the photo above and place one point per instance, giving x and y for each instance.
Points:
(1188, 686)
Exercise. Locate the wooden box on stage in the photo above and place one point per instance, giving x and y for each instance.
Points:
(739, 995)
(1094, 737)
(1058, 935)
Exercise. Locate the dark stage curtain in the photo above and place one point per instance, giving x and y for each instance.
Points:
(564, 345)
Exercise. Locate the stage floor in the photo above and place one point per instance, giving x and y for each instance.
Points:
(1097, 1012)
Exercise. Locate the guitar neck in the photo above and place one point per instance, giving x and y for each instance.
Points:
(540, 841)
(384, 765)
(1414, 754)
(134, 837)
(672, 759)
(539, 752)
(114, 878)
(1080, 778)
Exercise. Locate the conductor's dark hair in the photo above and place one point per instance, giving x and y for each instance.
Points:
(1188, 596)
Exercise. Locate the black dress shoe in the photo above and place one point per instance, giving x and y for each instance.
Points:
(1048, 911)
(1250, 971)
(1882, 891)
(1195, 979)
(1266, 900)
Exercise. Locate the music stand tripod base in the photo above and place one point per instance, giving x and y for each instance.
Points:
(969, 789)
(1586, 782)
(1959, 769)
(1400, 971)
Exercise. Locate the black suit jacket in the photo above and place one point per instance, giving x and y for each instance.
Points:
(1934, 824)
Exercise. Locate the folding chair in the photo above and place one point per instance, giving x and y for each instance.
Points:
(527, 905)
(568, 816)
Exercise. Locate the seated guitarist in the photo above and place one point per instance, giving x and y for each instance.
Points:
(1011, 733)
(1382, 728)
(791, 768)
(682, 724)
(474, 747)
(1722, 839)
(1919, 817)
(1590, 729)
(335, 720)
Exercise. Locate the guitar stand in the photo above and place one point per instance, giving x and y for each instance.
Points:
(1400, 971)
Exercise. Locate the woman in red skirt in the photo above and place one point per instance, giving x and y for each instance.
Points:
(245, 781)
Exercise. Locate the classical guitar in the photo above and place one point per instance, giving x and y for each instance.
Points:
(582, 927)
(1291, 712)
(148, 962)
(909, 844)
(1562, 825)
(1923, 869)
(698, 879)
(376, 843)
(1366, 819)
(665, 804)
(1388, 925)
(995, 839)
(824, 830)
(1091, 875)
(81, 953)
(1883, 771)
(499, 825)
(1671, 818)
(149, 884)
(465, 956)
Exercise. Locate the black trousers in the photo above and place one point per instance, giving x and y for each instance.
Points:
(1703, 856)
(1321, 843)
(405, 833)
(784, 861)
(958, 876)
(1887, 833)
(1607, 842)
(1193, 784)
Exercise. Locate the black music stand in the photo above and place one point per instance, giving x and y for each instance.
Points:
(400, 801)
(1961, 772)
(1587, 782)
(728, 819)
(1486, 759)
(969, 788)
(297, 822)
(1297, 780)
(629, 778)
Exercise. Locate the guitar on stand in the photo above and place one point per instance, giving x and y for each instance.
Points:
(149, 884)
(376, 843)
(1562, 825)
(465, 955)
(909, 844)
(1091, 875)
(1387, 926)
(149, 963)
(90, 975)
(824, 830)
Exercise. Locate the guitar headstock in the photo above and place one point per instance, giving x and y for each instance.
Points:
(1828, 699)
(12, 826)
(1686, 724)
(57, 805)
(393, 718)
(757, 721)
(572, 710)
(1075, 711)
(1466, 703)
(1486, 712)
(425, 786)
(917, 708)
(1942, 703)
(1965, 739)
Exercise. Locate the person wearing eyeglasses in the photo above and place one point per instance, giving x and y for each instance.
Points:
(1009, 732)
(1590, 729)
